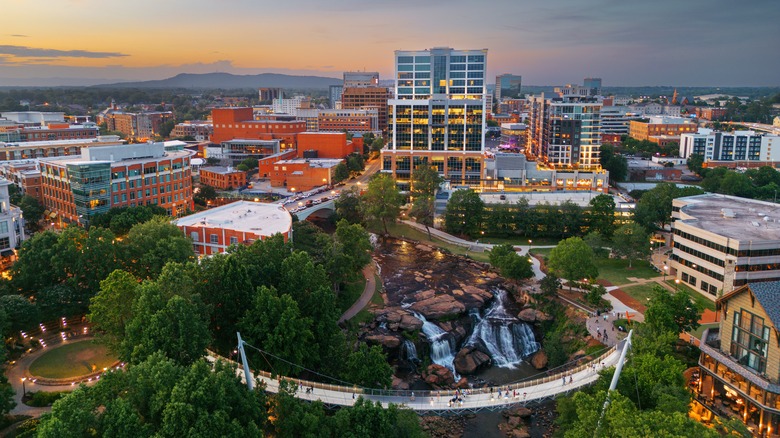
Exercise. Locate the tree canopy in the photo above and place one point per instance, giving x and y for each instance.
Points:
(382, 200)
(572, 259)
(464, 213)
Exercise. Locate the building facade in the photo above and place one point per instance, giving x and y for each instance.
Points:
(222, 178)
(361, 79)
(11, 226)
(730, 146)
(565, 132)
(269, 94)
(334, 96)
(58, 148)
(291, 105)
(722, 242)
(137, 125)
(350, 120)
(198, 130)
(76, 188)
(438, 115)
(368, 98)
(739, 365)
(508, 86)
(240, 123)
(303, 174)
(214, 230)
(661, 129)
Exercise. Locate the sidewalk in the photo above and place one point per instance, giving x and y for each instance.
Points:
(368, 291)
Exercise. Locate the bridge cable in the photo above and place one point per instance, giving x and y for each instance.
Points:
(304, 368)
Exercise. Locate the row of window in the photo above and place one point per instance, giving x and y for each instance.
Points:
(703, 270)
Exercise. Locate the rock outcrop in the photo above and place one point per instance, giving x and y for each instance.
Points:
(532, 315)
(539, 360)
(439, 306)
(469, 359)
(438, 376)
(388, 341)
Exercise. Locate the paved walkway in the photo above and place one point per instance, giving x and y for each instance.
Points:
(368, 291)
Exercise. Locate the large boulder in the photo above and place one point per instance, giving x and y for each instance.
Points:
(539, 360)
(390, 342)
(532, 315)
(439, 306)
(409, 322)
(469, 359)
(438, 376)
(475, 295)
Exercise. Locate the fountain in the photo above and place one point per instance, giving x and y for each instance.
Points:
(507, 339)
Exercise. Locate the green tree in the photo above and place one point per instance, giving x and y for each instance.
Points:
(250, 163)
(464, 214)
(368, 367)
(613, 162)
(695, 163)
(71, 416)
(654, 208)
(377, 145)
(631, 241)
(355, 163)
(166, 128)
(550, 284)
(7, 393)
(510, 263)
(340, 173)
(204, 194)
(226, 288)
(382, 201)
(672, 312)
(152, 244)
(33, 212)
(602, 215)
(56, 301)
(26, 273)
(367, 418)
(572, 259)
(20, 312)
(596, 242)
(347, 205)
(112, 307)
(425, 182)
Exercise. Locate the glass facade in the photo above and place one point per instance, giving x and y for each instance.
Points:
(91, 185)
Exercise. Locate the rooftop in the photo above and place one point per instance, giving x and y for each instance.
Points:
(313, 162)
(768, 295)
(220, 169)
(251, 217)
(733, 217)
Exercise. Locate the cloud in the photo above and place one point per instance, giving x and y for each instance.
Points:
(16, 35)
(33, 52)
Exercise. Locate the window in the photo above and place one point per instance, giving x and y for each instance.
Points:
(749, 339)
(5, 242)
(213, 238)
(233, 240)
(3, 227)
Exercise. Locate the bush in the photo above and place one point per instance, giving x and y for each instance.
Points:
(42, 399)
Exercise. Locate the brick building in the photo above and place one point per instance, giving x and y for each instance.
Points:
(25, 175)
(239, 123)
(303, 174)
(57, 148)
(324, 144)
(242, 222)
(76, 188)
(223, 178)
(368, 97)
(661, 130)
(350, 120)
(137, 125)
(199, 130)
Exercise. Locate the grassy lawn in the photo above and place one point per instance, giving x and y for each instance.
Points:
(520, 240)
(698, 298)
(71, 360)
(350, 293)
(616, 270)
(640, 292)
(402, 230)
(544, 252)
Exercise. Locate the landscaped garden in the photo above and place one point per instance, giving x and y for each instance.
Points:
(72, 359)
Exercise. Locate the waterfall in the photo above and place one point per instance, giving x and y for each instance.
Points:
(507, 339)
(410, 351)
(442, 345)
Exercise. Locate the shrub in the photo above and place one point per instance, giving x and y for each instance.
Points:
(42, 399)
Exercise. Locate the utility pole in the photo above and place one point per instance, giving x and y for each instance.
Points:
(250, 384)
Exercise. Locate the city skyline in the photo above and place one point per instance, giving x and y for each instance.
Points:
(651, 43)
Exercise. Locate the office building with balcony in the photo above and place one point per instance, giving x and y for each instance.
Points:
(716, 146)
(739, 364)
(565, 132)
(721, 242)
(437, 117)
(242, 222)
(77, 188)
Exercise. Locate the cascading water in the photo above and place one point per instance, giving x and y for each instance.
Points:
(410, 351)
(507, 339)
(442, 344)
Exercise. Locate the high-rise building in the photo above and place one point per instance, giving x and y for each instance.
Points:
(334, 94)
(438, 114)
(594, 84)
(367, 98)
(361, 79)
(269, 94)
(565, 131)
(730, 146)
(508, 86)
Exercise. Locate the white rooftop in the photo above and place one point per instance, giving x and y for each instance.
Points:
(313, 162)
(251, 217)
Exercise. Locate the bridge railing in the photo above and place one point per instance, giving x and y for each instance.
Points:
(426, 393)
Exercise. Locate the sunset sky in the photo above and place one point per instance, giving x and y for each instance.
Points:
(626, 42)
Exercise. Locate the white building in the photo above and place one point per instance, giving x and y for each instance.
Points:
(616, 119)
(290, 106)
(722, 242)
(730, 146)
(11, 225)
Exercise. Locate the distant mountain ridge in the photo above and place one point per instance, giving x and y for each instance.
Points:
(228, 80)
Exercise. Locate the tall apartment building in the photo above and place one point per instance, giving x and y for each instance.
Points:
(565, 131)
(438, 114)
(334, 96)
(508, 86)
(594, 85)
(361, 79)
(730, 146)
(368, 98)
(76, 188)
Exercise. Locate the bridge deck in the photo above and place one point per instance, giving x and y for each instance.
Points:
(439, 402)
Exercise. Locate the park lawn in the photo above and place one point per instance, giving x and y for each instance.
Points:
(350, 292)
(640, 292)
(701, 300)
(72, 359)
(616, 271)
(520, 240)
(544, 252)
(405, 231)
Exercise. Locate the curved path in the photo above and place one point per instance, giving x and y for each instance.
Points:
(368, 291)
(439, 402)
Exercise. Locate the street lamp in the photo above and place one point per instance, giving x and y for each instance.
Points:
(676, 284)
(666, 269)
(24, 388)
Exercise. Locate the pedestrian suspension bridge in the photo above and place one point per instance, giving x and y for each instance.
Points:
(445, 402)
